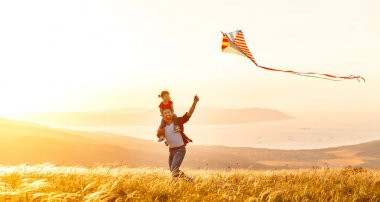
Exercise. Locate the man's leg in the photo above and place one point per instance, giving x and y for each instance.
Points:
(178, 157)
(171, 155)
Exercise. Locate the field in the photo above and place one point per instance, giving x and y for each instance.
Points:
(46, 182)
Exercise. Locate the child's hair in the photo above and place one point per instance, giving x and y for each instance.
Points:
(163, 93)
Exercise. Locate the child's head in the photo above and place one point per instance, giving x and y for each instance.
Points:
(164, 95)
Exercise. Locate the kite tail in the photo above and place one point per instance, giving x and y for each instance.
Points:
(357, 78)
(316, 75)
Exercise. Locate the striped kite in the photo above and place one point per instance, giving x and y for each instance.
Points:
(234, 42)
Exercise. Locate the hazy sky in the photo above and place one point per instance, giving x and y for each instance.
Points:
(77, 55)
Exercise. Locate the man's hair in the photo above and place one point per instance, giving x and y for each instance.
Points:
(166, 109)
(163, 93)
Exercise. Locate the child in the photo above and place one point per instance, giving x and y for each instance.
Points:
(167, 104)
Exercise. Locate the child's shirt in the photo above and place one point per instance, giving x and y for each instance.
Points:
(166, 106)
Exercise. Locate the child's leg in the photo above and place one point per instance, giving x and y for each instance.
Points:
(162, 126)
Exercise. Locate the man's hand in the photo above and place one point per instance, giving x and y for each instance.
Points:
(196, 98)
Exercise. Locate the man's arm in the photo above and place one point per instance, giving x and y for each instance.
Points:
(192, 108)
(183, 119)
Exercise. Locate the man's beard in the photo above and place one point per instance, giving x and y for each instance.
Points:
(168, 118)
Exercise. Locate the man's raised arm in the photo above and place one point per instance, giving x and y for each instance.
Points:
(192, 108)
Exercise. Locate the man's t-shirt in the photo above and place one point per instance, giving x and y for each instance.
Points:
(174, 138)
(180, 121)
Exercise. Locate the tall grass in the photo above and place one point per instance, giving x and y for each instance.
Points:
(48, 182)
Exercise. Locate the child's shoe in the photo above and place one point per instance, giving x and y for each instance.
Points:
(160, 139)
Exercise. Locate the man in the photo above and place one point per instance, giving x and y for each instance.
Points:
(176, 140)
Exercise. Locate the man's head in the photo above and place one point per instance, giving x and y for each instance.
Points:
(167, 115)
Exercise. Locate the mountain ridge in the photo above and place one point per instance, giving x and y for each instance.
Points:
(140, 116)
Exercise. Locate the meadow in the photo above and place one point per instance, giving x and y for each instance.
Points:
(48, 182)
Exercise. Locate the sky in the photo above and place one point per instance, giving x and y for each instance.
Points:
(77, 55)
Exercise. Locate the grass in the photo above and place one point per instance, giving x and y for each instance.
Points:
(48, 182)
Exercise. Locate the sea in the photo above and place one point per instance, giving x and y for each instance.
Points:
(293, 134)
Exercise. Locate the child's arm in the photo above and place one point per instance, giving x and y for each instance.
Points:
(172, 109)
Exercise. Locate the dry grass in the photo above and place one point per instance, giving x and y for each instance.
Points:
(53, 183)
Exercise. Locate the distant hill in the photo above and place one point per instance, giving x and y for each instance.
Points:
(22, 142)
(208, 115)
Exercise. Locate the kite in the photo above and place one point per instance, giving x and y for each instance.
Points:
(234, 42)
